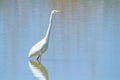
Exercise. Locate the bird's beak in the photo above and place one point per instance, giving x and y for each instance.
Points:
(58, 11)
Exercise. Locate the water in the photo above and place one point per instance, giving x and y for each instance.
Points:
(84, 42)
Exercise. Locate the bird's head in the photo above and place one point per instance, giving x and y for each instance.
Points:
(56, 11)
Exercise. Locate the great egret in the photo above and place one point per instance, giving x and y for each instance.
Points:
(39, 48)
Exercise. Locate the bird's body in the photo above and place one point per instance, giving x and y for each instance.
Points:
(39, 48)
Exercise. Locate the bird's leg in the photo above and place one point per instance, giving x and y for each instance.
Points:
(38, 58)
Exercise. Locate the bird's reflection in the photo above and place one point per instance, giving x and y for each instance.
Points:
(38, 70)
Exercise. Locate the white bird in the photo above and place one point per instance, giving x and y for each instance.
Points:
(39, 48)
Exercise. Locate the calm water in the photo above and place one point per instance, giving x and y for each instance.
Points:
(84, 42)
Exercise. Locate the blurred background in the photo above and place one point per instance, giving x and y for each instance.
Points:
(84, 41)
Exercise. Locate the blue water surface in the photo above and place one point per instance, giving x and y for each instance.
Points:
(84, 42)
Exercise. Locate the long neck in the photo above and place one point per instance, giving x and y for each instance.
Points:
(49, 26)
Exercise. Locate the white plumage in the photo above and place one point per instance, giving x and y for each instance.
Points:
(39, 48)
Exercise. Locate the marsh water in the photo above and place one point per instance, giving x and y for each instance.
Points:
(84, 42)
